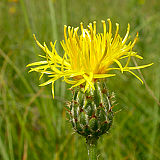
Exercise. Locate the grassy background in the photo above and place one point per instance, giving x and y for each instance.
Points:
(33, 126)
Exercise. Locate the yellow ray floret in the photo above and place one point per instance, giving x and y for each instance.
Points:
(88, 56)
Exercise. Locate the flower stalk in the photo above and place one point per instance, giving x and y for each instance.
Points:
(92, 151)
(92, 148)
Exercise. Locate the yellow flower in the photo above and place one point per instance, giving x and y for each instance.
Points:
(87, 57)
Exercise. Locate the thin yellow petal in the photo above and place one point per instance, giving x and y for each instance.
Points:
(38, 43)
(88, 80)
(69, 81)
(126, 36)
(139, 67)
(103, 75)
(53, 90)
(78, 83)
(37, 63)
(119, 64)
(50, 81)
(136, 76)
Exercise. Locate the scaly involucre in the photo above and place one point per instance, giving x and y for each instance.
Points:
(87, 57)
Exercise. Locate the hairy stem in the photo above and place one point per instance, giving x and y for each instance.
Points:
(92, 148)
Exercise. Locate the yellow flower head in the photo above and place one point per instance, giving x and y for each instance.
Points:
(87, 56)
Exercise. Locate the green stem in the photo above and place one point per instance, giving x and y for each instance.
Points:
(92, 151)
(26, 17)
(92, 148)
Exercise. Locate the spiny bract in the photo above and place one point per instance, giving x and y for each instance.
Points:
(91, 111)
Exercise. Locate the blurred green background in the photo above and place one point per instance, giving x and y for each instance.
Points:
(33, 126)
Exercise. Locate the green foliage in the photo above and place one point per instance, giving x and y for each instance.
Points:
(33, 126)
